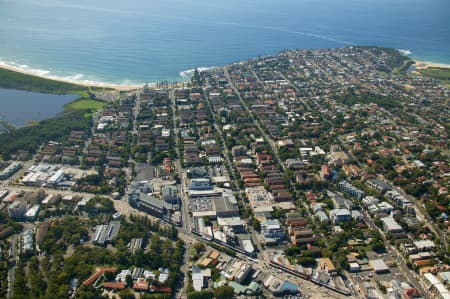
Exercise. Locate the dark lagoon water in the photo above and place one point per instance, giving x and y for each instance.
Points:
(18, 107)
(149, 40)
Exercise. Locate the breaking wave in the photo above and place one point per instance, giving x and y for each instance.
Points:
(405, 52)
(190, 73)
(47, 74)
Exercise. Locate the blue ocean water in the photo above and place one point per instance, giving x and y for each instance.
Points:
(136, 41)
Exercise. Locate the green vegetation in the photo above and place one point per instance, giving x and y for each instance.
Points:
(85, 104)
(441, 74)
(31, 137)
(99, 205)
(68, 231)
(67, 255)
(203, 294)
(15, 80)
(351, 98)
(224, 292)
(94, 183)
(223, 249)
(395, 59)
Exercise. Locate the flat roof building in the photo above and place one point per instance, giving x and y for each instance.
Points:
(106, 233)
(340, 215)
(379, 266)
(390, 225)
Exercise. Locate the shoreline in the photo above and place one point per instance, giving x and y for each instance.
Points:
(85, 83)
(421, 65)
(418, 64)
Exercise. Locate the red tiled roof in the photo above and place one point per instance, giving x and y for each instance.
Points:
(114, 285)
(99, 271)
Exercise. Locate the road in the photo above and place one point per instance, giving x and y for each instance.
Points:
(13, 259)
(398, 258)
(255, 121)
(186, 218)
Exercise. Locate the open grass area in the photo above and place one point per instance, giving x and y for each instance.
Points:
(85, 104)
(441, 74)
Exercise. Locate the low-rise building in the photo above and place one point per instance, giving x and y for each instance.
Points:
(280, 287)
(17, 210)
(106, 233)
(272, 231)
(391, 226)
(378, 185)
(379, 266)
(424, 245)
(325, 264)
(27, 241)
(351, 190)
(340, 215)
(200, 278)
(10, 170)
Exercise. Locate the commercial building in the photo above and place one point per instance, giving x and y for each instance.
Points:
(226, 205)
(200, 278)
(240, 289)
(379, 266)
(200, 184)
(106, 233)
(436, 287)
(280, 287)
(10, 170)
(46, 175)
(272, 231)
(235, 223)
(237, 270)
(32, 212)
(424, 245)
(17, 210)
(26, 241)
(170, 195)
(139, 198)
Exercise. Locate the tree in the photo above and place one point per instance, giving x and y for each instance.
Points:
(224, 292)
(256, 225)
(126, 294)
(204, 294)
(129, 281)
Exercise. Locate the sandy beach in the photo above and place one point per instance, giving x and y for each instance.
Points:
(418, 64)
(119, 87)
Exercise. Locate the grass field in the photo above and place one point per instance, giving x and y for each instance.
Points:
(85, 104)
(441, 74)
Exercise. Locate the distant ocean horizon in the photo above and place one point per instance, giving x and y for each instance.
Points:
(149, 41)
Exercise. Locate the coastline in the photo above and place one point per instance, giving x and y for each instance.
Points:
(421, 65)
(117, 87)
(418, 65)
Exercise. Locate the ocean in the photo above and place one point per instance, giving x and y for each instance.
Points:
(136, 41)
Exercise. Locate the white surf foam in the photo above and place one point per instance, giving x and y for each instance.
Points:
(405, 52)
(190, 73)
(74, 78)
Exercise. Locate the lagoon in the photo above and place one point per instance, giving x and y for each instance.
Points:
(19, 107)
